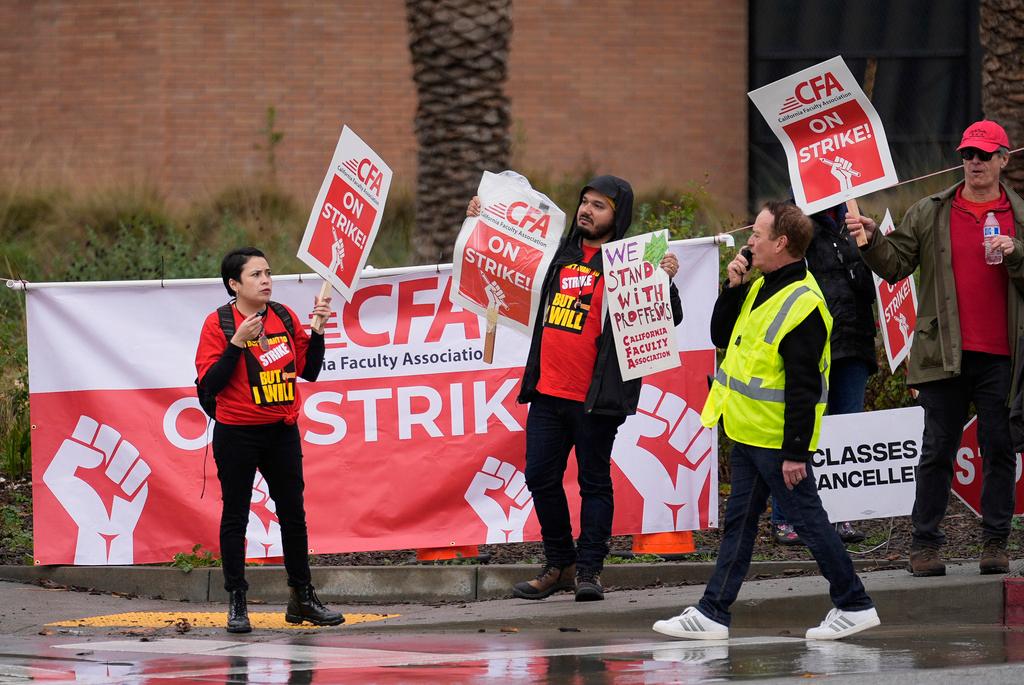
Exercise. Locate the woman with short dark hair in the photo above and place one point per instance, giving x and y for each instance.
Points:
(250, 353)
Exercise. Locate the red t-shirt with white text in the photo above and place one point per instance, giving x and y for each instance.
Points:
(981, 289)
(572, 323)
(262, 388)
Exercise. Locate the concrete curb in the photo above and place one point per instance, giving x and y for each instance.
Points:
(380, 584)
(443, 597)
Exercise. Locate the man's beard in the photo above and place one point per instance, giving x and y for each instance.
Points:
(595, 232)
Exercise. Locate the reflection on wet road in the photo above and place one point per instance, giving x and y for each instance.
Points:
(527, 657)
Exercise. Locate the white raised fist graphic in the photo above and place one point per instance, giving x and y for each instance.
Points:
(337, 257)
(901, 321)
(105, 533)
(262, 540)
(843, 171)
(670, 478)
(501, 476)
(495, 294)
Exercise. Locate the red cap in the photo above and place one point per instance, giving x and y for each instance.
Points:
(985, 135)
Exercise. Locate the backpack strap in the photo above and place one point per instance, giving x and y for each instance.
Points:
(285, 316)
(227, 320)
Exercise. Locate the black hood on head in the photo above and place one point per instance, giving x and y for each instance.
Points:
(620, 192)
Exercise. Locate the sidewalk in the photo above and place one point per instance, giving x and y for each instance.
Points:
(442, 597)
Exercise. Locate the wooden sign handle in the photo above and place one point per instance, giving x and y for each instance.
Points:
(492, 327)
(851, 206)
(318, 321)
(870, 69)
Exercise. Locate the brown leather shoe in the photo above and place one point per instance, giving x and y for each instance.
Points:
(994, 558)
(926, 562)
(550, 580)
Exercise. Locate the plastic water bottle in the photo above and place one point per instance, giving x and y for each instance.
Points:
(993, 255)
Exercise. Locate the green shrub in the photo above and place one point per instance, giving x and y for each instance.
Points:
(16, 529)
(138, 252)
(197, 558)
(393, 246)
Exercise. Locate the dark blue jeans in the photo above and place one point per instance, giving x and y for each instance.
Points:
(756, 473)
(276, 450)
(847, 380)
(984, 380)
(553, 427)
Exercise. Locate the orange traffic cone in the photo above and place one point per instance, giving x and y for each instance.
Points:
(451, 552)
(673, 545)
(265, 561)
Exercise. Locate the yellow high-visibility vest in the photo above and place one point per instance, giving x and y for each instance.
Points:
(749, 388)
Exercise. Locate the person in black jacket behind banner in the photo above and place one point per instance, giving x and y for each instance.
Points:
(845, 280)
(576, 393)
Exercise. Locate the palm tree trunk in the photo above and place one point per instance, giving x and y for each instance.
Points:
(460, 62)
(1002, 75)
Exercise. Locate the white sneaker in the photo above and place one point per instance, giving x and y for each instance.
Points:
(692, 625)
(839, 624)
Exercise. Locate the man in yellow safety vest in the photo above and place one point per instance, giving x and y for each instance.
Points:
(770, 393)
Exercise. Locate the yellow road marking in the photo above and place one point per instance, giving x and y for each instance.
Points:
(199, 619)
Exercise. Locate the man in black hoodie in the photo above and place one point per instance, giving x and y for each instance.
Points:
(576, 393)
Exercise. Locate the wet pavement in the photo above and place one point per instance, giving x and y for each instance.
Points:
(984, 654)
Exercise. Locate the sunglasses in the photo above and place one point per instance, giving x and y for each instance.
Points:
(970, 153)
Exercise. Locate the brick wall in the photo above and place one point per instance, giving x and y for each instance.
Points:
(175, 93)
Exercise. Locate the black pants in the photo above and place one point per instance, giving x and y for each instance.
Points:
(985, 380)
(553, 427)
(275, 449)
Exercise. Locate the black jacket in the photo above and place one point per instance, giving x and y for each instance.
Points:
(846, 283)
(608, 393)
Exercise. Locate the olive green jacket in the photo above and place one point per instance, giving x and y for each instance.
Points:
(922, 240)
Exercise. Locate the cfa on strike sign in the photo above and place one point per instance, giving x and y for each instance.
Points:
(501, 256)
(346, 215)
(834, 141)
(897, 310)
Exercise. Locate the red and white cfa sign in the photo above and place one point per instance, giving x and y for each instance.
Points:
(897, 310)
(346, 215)
(502, 255)
(967, 472)
(834, 141)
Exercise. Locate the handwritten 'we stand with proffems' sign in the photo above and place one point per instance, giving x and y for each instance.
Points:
(637, 297)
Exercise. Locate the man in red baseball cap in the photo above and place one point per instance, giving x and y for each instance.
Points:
(985, 135)
(969, 318)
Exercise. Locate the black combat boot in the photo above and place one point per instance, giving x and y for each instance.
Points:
(238, 614)
(304, 605)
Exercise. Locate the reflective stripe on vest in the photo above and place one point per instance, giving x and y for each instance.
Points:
(749, 389)
(754, 391)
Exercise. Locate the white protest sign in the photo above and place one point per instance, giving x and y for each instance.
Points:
(637, 296)
(346, 214)
(864, 467)
(897, 310)
(502, 255)
(834, 141)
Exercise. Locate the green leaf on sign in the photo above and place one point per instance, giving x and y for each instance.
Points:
(655, 249)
